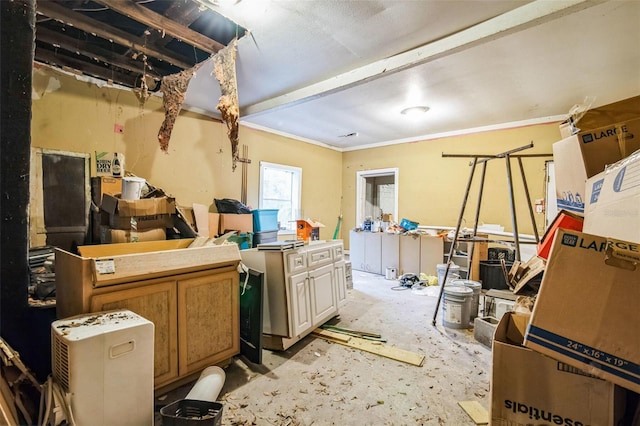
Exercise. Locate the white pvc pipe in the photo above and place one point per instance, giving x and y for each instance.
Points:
(209, 385)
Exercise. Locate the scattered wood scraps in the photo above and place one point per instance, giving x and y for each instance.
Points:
(378, 348)
(476, 411)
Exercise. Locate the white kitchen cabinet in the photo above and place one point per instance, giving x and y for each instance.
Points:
(304, 287)
(340, 283)
(409, 253)
(365, 251)
(390, 249)
(300, 303)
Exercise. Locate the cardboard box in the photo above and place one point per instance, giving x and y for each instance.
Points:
(308, 230)
(242, 223)
(586, 154)
(528, 388)
(143, 207)
(101, 185)
(613, 201)
(140, 222)
(564, 219)
(109, 235)
(617, 112)
(586, 313)
(214, 224)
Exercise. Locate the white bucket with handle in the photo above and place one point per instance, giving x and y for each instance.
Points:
(132, 187)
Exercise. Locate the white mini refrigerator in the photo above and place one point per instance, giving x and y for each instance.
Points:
(105, 361)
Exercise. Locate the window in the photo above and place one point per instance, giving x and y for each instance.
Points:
(280, 188)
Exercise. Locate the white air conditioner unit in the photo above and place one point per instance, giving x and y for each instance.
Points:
(104, 361)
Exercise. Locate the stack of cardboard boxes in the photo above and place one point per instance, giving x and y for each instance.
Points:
(576, 358)
(115, 220)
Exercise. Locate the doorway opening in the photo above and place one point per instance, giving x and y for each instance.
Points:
(377, 194)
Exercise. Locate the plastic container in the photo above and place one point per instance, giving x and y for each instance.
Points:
(187, 412)
(456, 306)
(265, 237)
(391, 273)
(132, 187)
(243, 240)
(265, 220)
(441, 268)
(491, 274)
(476, 287)
(408, 224)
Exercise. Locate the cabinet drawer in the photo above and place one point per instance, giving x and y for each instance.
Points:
(319, 256)
(336, 251)
(296, 262)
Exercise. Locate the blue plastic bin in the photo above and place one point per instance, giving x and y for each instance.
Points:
(265, 220)
(408, 224)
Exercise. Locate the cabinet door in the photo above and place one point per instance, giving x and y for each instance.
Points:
(409, 255)
(431, 249)
(390, 251)
(323, 300)
(373, 252)
(208, 320)
(300, 320)
(340, 284)
(157, 303)
(356, 250)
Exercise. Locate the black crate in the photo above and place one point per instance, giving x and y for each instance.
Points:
(265, 237)
(496, 253)
(491, 274)
(190, 412)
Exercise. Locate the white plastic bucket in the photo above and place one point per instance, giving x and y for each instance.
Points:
(209, 385)
(391, 273)
(475, 301)
(441, 268)
(456, 306)
(132, 187)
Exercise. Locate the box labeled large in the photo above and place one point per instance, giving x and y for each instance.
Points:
(586, 313)
(586, 154)
(529, 388)
(564, 219)
(613, 201)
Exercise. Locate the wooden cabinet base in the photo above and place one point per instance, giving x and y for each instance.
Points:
(279, 343)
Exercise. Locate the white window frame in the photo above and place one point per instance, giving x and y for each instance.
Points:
(296, 201)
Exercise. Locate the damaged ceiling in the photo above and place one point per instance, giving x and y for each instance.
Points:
(338, 72)
(124, 41)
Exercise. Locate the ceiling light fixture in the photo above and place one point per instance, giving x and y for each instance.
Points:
(415, 111)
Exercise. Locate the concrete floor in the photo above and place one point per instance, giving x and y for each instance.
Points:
(316, 382)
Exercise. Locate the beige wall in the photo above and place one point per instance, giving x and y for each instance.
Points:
(431, 188)
(80, 116)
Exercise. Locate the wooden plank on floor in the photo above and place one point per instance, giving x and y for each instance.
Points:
(476, 411)
(375, 348)
(336, 337)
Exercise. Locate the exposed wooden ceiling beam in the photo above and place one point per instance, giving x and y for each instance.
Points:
(162, 23)
(181, 12)
(87, 68)
(92, 26)
(70, 44)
